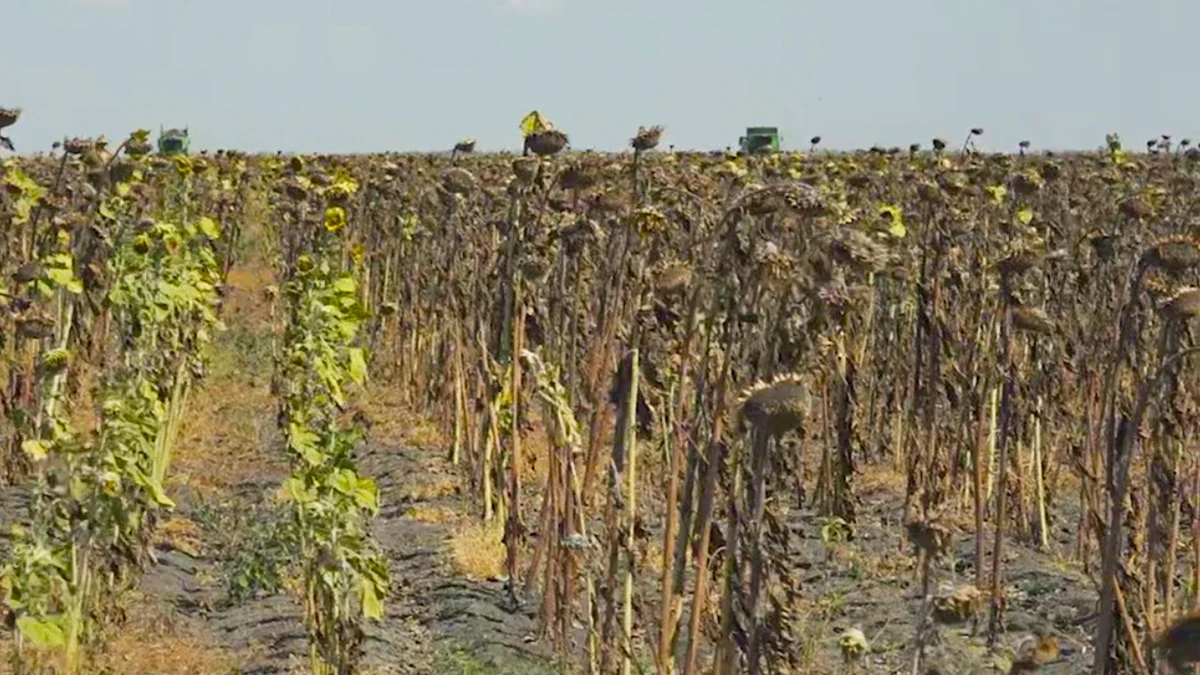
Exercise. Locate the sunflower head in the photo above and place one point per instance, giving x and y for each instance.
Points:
(183, 165)
(335, 218)
(775, 407)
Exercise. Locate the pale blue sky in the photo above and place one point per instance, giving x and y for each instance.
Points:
(363, 75)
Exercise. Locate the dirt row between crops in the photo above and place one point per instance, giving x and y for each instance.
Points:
(226, 486)
(182, 617)
(437, 621)
(871, 583)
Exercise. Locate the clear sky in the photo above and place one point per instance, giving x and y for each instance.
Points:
(365, 75)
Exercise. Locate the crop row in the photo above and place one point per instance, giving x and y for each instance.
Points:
(666, 352)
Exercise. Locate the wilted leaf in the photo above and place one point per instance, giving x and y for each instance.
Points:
(358, 365)
(372, 605)
(35, 450)
(209, 228)
(64, 277)
(297, 491)
(158, 495)
(43, 634)
(367, 494)
(534, 123)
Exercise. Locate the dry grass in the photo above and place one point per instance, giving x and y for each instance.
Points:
(181, 534)
(880, 478)
(477, 551)
(245, 299)
(392, 421)
(151, 650)
(436, 515)
(434, 486)
(153, 641)
(230, 418)
(223, 436)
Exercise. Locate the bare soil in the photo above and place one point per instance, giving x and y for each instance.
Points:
(436, 620)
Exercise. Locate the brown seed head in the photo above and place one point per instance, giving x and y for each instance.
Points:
(525, 168)
(860, 250)
(759, 201)
(1050, 171)
(1134, 208)
(775, 407)
(647, 139)
(581, 233)
(1016, 263)
(1105, 246)
(77, 146)
(139, 148)
(1180, 643)
(953, 183)
(673, 279)
(27, 272)
(578, 176)
(1174, 255)
(929, 192)
(1026, 184)
(1185, 304)
(295, 190)
(606, 203)
(9, 117)
(804, 199)
(1032, 320)
(458, 181)
(546, 143)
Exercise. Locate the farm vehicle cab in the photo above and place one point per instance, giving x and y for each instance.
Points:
(173, 142)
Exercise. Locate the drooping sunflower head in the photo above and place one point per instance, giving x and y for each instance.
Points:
(1175, 254)
(1184, 304)
(775, 407)
(183, 165)
(647, 138)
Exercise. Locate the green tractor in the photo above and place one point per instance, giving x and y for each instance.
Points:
(760, 139)
(173, 141)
